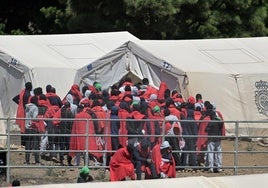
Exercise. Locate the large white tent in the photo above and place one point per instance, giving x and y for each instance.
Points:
(232, 73)
(49, 59)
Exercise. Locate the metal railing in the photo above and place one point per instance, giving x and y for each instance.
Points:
(235, 137)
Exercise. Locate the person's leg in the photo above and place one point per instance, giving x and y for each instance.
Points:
(36, 146)
(192, 155)
(27, 143)
(210, 155)
(77, 159)
(43, 144)
(218, 156)
(153, 170)
(138, 169)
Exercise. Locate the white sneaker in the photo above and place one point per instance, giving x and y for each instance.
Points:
(219, 170)
(211, 170)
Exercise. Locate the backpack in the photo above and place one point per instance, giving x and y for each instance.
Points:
(51, 110)
(39, 125)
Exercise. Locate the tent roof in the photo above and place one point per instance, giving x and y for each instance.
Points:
(233, 55)
(243, 181)
(57, 51)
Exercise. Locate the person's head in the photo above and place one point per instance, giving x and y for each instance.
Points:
(153, 97)
(98, 86)
(207, 104)
(53, 90)
(198, 97)
(28, 86)
(169, 101)
(166, 94)
(48, 88)
(156, 109)
(166, 112)
(145, 81)
(191, 100)
(165, 145)
(38, 91)
(16, 183)
(84, 89)
(84, 172)
(136, 106)
(127, 88)
(43, 97)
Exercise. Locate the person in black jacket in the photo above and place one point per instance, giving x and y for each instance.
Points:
(189, 132)
(214, 147)
(141, 157)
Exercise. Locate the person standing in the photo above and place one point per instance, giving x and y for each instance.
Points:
(32, 140)
(214, 147)
(22, 99)
(61, 119)
(189, 132)
(115, 126)
(173, 130)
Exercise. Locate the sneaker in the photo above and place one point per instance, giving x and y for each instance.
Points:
(38, 164)
(55, 160)
(26, 162)
(70, 164)
(211, 170)
(219, 170)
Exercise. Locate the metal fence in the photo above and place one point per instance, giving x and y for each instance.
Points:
(13, 139)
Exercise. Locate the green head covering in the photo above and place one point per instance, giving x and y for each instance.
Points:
(135, 103)
(156, 109)
(97, 86)
(84, 171)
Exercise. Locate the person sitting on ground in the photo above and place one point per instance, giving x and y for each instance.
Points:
(142, 160)
(121, 165)
(84, 175)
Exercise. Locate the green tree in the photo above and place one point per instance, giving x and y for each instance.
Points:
(24, 17)
(96, 16)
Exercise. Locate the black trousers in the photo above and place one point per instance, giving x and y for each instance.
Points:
(32, 142)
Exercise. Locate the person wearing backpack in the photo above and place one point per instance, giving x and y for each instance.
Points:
(32, 140)
(214, 147)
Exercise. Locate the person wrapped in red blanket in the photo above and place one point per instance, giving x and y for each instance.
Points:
(164, 161)
(121, 164)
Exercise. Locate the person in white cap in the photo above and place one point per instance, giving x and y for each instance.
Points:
(167, 166)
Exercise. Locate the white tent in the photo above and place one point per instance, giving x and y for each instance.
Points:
(242, 181)
(232, 73)
(49, 59)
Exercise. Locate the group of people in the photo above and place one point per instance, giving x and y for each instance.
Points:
(135, 126)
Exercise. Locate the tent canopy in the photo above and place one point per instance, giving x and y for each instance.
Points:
(232, 73)
(49, 59)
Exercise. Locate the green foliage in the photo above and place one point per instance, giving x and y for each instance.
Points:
(2, 28)
(53, 17)
(146, 19)
(17, 32)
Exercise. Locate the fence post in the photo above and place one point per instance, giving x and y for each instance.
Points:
(86, 150)
(236, 148)
(8, 151)
(163, 130)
